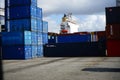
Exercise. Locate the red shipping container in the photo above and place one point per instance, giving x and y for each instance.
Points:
(113, 31)
(101, 34)
(113, 48)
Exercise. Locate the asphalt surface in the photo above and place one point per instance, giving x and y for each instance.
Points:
(79, 68)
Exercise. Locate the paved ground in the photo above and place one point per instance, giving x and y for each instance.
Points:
(80, 68)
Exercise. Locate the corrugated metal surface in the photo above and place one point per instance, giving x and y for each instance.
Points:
(113, 15)
(45, 27)
(39, 13)
(28, 51)
(7, 13)
(52, 39)
(34, 26)
(16, 52)
(94, 37)
(45, 38)
(113, 48)
(40, 41)
(75, 49)
(16, 38)
(20, 12)
(27, 37)
(20, 2)
(73, 38)
(40, 51)
(34, 38)
(22, 24)
(113, 31)
(98, 36)
(39, 25)
(0, 39)
(101, 35)
(12, 38)
(34, 51)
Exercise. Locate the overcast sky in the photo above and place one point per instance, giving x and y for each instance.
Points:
(89, 14)
(75, 6)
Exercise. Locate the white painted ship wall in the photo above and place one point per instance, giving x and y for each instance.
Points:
(73, 27)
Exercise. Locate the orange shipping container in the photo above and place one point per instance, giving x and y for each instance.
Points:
(113, 31)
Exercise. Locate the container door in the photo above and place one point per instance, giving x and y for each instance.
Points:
(28, 52)
(40, 51)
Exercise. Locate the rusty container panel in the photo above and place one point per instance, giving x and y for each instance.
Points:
(113, 48)
(101, 35)
(113, 31)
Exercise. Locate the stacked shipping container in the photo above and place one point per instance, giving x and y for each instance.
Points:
(71, 38)
(24, 24)
(16, 45)
(52, 37)
(113, 31)
(98, 36)
(39, 33)
(45, 32)
(75, 45)
(74, 49)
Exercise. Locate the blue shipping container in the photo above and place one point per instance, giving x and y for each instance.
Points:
(39, 25)
(0, 39)
(34, 38)
(45, 38)
(73, 38)
(45, 27)
(34, 51)
(22, 24)
(16, 52)
(40, 51)
(7, 13)
(39, 13)
(20, 2)
(27, 37)
(16, 38)
(40, 42)
(20, 12)
(52, 39)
